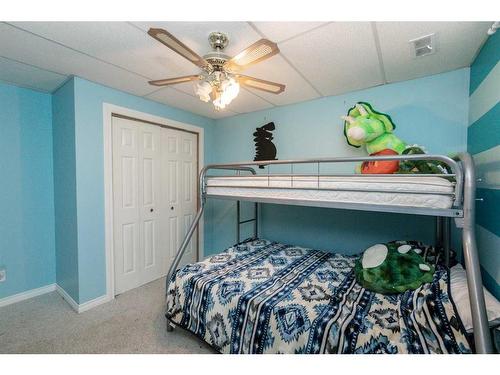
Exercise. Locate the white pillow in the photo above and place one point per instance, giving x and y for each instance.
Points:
(460, 295)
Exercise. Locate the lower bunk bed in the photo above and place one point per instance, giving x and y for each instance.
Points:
(266, 297)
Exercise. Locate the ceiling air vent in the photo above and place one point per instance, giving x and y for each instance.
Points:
(423, 46)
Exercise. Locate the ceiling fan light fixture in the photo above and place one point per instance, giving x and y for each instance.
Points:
(230, 90)
(203, 90)
(219, 104)
(227, 90)
(220, 80)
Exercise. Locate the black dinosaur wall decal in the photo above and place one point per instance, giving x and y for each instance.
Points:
(264, 148)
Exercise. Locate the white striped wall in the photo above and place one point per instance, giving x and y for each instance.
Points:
(489, 246)
(488, 168)
(486, 96)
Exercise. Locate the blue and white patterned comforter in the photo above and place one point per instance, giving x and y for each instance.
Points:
(266, 297)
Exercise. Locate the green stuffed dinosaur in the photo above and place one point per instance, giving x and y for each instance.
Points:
(365, 126)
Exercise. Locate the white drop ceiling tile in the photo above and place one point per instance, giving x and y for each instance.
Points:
(29, 76)
(276, 69)
(248, 102)
(187, 87)
(22, 46)
(195, 34)
(280, 31)
(223, 113)
(337, 58)
(118, 79)
(456, 47)
(119, 43)
(189, 103)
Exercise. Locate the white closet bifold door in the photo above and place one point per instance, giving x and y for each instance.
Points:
(180, 182)
(136, 198)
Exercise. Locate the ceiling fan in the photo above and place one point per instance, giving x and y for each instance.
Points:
(220, 78)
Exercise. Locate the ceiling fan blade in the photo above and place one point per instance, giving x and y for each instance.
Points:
(261, 84)
(176, 45)
(173, 81)
(257, 52)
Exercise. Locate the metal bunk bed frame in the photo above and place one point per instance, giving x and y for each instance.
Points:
(463, 211)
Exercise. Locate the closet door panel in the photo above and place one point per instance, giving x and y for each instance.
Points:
(180, 158)
(137, 203)
(150, 202)
(189, 186)
(126, 206)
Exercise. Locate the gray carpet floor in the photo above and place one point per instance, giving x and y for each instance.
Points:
(133, 322)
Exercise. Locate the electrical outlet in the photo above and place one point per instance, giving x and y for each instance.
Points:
(3, 275)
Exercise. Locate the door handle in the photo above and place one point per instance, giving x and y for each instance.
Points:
(151, 210)
(172, 208)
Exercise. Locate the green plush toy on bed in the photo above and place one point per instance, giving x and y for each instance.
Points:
(394, 267)
(364, 126)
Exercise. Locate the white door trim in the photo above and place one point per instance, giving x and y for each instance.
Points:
(108, 110)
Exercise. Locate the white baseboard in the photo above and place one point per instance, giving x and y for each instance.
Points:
(51, 288)
(79, 308)
(67, 297)
(93, 303)
(27, 295)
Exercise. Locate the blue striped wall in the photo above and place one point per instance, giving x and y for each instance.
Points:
(483, 142)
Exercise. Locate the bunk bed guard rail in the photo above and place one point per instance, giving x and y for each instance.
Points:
(462, 167)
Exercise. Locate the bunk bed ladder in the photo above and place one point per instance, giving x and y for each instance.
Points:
(239, 222)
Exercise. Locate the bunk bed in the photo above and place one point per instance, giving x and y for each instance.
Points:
(447, 197)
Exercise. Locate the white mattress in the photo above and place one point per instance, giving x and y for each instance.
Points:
(429, 192)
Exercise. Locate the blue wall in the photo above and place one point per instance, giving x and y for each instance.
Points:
(26, 195)
(484, 143)
(63, 136)
(89, 99)
(430, 111)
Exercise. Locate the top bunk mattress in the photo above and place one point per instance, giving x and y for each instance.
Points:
(428, 192)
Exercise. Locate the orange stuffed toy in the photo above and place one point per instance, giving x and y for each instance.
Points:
(381, 167)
